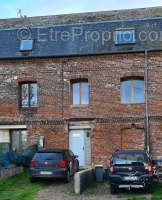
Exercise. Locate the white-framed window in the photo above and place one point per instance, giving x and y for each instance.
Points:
(26, 45)
(125, 36)
(28, 97)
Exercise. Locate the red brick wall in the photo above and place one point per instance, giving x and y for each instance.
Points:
(55, 135)
(103, 72)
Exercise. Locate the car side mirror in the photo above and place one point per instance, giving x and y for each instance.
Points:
(76, 156)
(153, 162)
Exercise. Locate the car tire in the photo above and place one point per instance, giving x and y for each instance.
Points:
(33, 180)
(77, 167)
(67, 178)
(112, 189)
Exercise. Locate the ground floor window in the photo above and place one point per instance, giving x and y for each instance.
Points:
(18, 140)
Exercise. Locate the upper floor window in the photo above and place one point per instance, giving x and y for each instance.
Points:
(26, 45)
(124, 36)
(28, 94)
(132, 90)
(80, 92)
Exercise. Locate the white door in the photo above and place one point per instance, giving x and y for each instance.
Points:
(76, 144)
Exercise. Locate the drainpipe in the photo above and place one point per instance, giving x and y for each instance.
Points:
(146, 103)
(62, 79)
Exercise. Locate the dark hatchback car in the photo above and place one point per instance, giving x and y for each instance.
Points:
(131, 169)
(53, 163)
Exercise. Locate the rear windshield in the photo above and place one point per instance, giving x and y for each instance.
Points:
(129, 158)
(48, 156)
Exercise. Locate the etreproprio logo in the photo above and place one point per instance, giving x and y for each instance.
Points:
(75, 33)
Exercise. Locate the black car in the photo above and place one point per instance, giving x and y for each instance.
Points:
(53, 163)
(131, 169)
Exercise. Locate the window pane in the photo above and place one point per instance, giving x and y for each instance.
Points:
(128, 157)
(26, 45)
(75, 93)
(24, 95)
(33, 95)
(138, 91)
(48, 156)
(23, 139)
(126, 91)
(15, 140)
(125, 36)
(41, 142)
(84, 93)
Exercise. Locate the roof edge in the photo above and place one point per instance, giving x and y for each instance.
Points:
(137, 13)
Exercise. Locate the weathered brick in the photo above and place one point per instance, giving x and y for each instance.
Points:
(103, 72)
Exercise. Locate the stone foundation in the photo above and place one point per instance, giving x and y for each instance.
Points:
(12, 170)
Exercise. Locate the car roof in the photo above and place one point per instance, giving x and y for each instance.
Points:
(130, 151)
(52, 150)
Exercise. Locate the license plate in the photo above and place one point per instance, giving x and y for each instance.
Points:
(130, 178)
(45, 173)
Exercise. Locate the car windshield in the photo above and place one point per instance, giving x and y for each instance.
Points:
(48, 156)
(129, 158)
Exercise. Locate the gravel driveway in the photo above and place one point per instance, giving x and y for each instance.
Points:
(58, 190)
(61, 191)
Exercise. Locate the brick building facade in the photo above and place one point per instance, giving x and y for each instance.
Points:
(104, 123)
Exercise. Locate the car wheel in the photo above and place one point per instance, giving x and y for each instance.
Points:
(33, 180)
(112, 189)
(77, 167)
(67, 178)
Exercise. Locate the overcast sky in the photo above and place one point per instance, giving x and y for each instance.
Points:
(9, 8)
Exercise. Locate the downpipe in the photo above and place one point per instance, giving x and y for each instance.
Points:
(146, 104)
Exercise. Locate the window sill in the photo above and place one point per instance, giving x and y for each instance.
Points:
(28, 109)
(124, 44)
(79, 105)
(132, 103)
